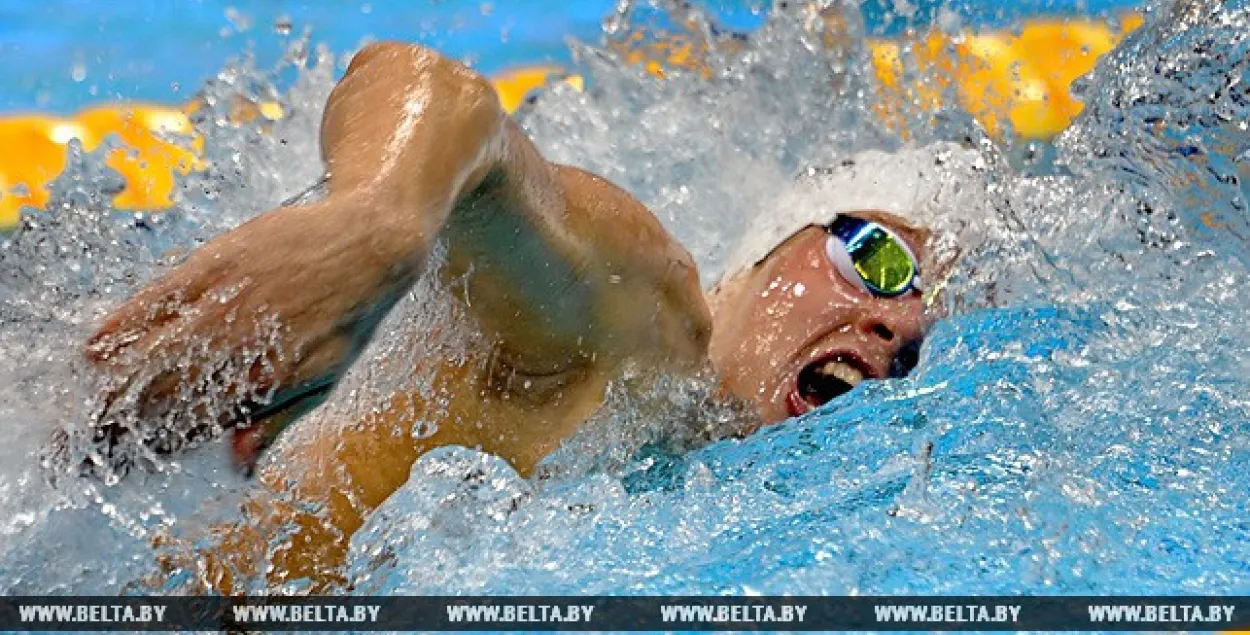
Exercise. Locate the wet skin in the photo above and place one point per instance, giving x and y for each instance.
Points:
(795, 309)
(571, 280)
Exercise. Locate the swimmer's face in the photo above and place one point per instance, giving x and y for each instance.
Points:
(792, 333)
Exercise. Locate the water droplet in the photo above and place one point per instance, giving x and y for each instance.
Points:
(239, 20)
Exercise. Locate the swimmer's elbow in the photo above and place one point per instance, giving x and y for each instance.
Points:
(410, 122)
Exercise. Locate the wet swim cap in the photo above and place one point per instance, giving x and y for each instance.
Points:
(912, 183)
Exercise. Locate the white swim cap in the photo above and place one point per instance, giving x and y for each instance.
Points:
(910, 183)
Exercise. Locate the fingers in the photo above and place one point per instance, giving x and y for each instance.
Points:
(175, 380)
(202, 373)
(247, 444)
(128, 325)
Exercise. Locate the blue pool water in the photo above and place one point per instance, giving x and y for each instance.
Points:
(1077, 423)
(966, 479)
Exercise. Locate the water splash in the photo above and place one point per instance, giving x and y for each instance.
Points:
(65, 267)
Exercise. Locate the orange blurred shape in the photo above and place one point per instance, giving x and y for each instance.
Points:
(1021, 79)
(517, 85)
(657, 51)
(36, 147)
(34, 154)
(148, 161)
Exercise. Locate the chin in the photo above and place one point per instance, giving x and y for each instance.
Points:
(775, 410)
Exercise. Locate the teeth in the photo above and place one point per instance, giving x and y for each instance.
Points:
(843, 371)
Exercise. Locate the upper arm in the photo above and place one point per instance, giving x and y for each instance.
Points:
(650, 301)
(561, 267)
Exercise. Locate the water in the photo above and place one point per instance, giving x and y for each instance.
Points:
(1077, 424)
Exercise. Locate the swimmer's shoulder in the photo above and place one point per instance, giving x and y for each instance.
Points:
(655, 300)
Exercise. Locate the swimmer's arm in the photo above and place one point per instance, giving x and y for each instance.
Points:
(563, 269)
(558, 266)
(286, 302)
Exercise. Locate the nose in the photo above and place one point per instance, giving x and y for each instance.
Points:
(882, 331)
(897, 326)
(892, 321)
(881, 323)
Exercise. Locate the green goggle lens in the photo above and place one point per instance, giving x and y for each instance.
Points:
(879, 259)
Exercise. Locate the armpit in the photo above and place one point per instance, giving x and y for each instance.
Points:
(506, 381)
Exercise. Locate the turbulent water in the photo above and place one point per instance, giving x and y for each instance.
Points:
(1077, 422)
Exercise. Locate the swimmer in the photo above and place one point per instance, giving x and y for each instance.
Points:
(568, 277)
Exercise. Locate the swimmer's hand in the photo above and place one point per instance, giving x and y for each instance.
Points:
(261, 322)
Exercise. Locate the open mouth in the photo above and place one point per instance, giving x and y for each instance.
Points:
(826, 379)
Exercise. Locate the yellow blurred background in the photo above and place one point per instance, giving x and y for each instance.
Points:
(1014, 83)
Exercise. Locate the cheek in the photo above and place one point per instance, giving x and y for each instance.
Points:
(744, 342)
(782, 317)
(778, 308)
(820, 298)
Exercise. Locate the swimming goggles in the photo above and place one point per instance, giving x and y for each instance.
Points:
(871, 257)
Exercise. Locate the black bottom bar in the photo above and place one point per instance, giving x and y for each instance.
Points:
(692, 613)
